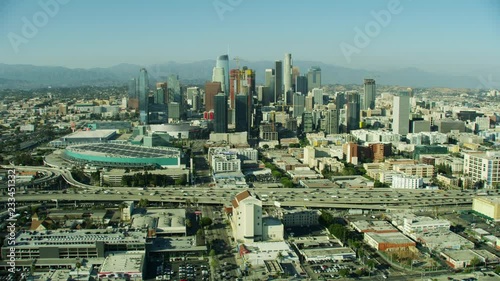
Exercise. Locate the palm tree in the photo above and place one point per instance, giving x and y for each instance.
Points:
(475, 261)
(77, 266)
(371, 264)
(122, 206)
(280, 256)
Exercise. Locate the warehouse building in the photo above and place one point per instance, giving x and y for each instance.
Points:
(487, 206)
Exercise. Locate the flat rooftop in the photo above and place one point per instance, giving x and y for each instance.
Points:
(77, 238)
(170, 220)
(123, 150)
(314, 252)
(373, 226)
(176, 244)
(444, 239)
(489, 199)
(127, 263)
(103, 134)
(390, 237)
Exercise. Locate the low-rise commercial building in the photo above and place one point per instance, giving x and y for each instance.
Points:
(328, 253)
(421, 170)
(389, 241)
(63, 244)
(458, 259)
(373, 226)
(299, 217)
(127, 266)
(487, 206)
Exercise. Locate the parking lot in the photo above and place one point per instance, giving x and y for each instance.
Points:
(188, 270)
(329, 269)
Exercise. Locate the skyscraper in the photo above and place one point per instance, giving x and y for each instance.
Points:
(353, 111)
(318, 96)
(143, 86)
(234, 84)
(299, 101)
(287, 77)
(161, 94)
(401, 114)
(220, 113)
(174, 89)
(211, 90)
(278, 80)
(269, 82)
(314, 78)
(133, 99)
(309, 103)
(332, 121)
(218, 75)
(301, 85)
(340, 100)
(132, 94)
(223, 62)
(307, 122)
(369, 96)
(242, 114)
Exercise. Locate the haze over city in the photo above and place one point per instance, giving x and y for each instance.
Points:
(450, 37)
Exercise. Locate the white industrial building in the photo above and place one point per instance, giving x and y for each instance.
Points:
(483, 166)
(487, 206)
(407, 181)
(226, 162)
(247, 217)
(248, 223)
(414, 227)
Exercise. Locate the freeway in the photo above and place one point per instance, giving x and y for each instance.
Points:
(376, 199)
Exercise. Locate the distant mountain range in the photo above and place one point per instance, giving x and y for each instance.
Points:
(30, 76)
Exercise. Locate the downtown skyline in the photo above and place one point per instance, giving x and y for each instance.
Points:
(445, 42)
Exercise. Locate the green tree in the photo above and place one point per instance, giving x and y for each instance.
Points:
(276, 174)
(205, 221)
(286, 182)
(77, 266)
(338, 231)
(212, 253)
(143, 203)
(181, 181)
(325, 219)
(475, 261)
(344, 272)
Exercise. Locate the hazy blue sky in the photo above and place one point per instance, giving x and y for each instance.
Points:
(454, 36)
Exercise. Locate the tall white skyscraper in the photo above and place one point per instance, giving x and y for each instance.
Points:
(218, 75)
(401, 114)
(223, 62)
(287, 75)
